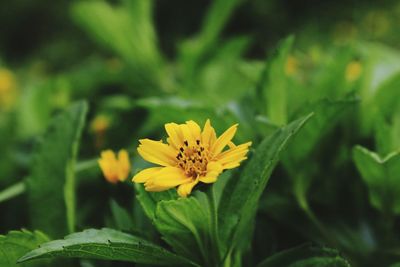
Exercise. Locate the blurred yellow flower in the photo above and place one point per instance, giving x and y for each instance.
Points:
(353, 71)
(115, 168)
(191, 156)
(99, 126)
(292, 66)
(100, 123)
(8, 89)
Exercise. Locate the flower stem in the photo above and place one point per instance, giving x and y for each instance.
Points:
(12, 191)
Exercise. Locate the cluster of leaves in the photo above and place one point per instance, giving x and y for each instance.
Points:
(331, 115)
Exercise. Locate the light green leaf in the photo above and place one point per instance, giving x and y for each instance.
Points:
(382, 176)
(128, 31)
(16, 243)
(274, 86)
(52, 177)
(185, 224)
(106, 244)
(12, 191)
(149, 200)
(238, 204)
(387, 134)
(305, 256)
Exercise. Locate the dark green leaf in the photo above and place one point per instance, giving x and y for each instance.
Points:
(305, 256)
(52, 178)
(106, 244)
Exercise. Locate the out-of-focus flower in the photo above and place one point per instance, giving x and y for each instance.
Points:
(353, 71)
(99, 126)
(8, 89)
(115, 168)
(292, 66)
(191, 156)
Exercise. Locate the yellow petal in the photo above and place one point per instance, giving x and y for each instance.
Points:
(150, 186)
(175, 135)
(194, 130)
(124, 165)
(146, 174)
(108, 165)
(187, 135)
(170, 177)
(232, 157)
(214, 169)
(185, 189)
(223, 140)
(157, 152)
(208, 136)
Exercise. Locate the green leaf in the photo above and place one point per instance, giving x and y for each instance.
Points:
(382, 176)
(149, 200)
(12, 191)
(274, 86)
(185, 224)
(122, 219)
(387, 134)
(106, 244)
(52, 177)
(327, 114)
(238, 204)
(305, 256)
(17, 243)
(296, 159)
(128, 31)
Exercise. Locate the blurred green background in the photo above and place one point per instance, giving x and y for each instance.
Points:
(141, 64)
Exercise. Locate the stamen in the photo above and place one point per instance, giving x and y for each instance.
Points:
(181, 149)
(198, 142)
(186, 143)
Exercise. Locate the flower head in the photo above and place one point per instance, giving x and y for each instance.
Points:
(115, 168)
(8, 89)
(353, 71)
(189, 157)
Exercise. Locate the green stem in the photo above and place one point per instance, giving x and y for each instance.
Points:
(85, 165)
(12, 191)
(214, 226)
(303, 203)
(20, 187)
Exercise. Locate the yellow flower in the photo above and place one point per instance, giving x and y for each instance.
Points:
(115, 168)
(191, 156)
(8, 89)
(292, 66)
(100, 123)
(353, 71)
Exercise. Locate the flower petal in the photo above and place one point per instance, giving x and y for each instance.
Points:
(195, 130)
(146, 174)
(157, 152)
(185, 189)
(208, 136)
(214, 169)
(124, 165)
(223, 140)
(232, 157)
(170, 177)
(175, 134)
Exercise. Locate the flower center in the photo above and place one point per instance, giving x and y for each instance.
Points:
(193, 159)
